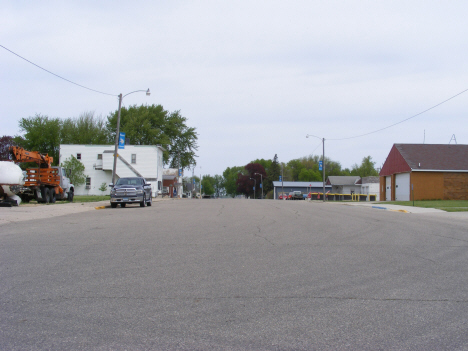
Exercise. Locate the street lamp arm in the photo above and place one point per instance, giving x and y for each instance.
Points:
(136, 91)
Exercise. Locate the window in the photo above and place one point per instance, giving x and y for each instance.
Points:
(133, 158)
(99, 156)
(88, 182)
(159, 185)
(78, 156)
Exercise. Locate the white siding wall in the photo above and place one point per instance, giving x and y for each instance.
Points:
(149, 163)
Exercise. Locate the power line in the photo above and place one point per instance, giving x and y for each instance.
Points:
(65, 79)
(406, 119)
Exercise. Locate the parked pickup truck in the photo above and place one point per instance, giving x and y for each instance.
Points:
(131, 190)
(296, 195)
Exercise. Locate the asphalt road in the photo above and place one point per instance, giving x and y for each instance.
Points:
(235, 275)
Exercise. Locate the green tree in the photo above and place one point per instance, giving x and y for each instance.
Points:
(273, 173)
(366, 169)
(6, 142)
(230, 175)
(207, 185)
(85, 129)
(76, 169)
(40, 133)
(152, 125)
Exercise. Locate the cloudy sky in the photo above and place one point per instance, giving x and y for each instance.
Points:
(254, 77)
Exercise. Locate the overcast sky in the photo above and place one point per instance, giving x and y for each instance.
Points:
(253, 77)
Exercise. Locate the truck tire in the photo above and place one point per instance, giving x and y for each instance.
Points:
(45, 195)
(143, 203)
(70, 196)
(150, 202)
(113, 205)
(122, 204)
(53, 198)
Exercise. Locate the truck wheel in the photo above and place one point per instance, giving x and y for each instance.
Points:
(45, 195)
(122, 204)
(113, 205)
(70, 196)
(52, 196)
(143, 203)
(150, 202)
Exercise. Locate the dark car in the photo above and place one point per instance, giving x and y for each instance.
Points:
(131, 190)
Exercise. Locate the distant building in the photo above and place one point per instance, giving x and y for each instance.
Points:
(425, 172)
(134, 161)
(304, 187)
(345, 184)
(172, 183)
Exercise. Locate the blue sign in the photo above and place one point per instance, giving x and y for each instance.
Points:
(260, 185)
(254, 188)
(320, 165)
(180, 172)
(280, 179)
(121, 140)
(194, 182)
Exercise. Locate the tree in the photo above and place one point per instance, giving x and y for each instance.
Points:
(207, 185)
(273, 173)
(41, 134)
(76, 168)
(86, 129)
(152, 125)
(246, 183)
(366, 169)
(230, 176)
(5, 143)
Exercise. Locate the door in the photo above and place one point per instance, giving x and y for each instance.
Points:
(388, 188)
(402, 187)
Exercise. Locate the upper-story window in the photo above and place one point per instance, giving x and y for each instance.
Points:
(133, 158)
(78, 156)
(99, 156)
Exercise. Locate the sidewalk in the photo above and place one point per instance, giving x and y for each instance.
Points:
(26, 212)
(388, 207)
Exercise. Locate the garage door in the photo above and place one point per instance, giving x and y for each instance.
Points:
(388, 188)
(402, 187)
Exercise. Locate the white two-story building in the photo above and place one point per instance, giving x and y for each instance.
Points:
(133, 161)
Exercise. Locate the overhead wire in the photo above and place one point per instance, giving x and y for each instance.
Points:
(404, 120)
(65, 79)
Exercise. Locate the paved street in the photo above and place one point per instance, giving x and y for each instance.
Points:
(235, 275)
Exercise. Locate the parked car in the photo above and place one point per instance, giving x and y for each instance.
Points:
(131, 190)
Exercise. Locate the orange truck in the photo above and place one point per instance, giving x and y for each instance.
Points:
(44, 183)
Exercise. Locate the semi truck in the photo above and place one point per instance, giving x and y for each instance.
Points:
(44, 183)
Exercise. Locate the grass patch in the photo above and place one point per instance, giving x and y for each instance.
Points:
(445, 205)
(77, 199)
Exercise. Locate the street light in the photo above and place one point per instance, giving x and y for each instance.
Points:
(261, 179)
(118, 130)
(255, 185)
(323, 161)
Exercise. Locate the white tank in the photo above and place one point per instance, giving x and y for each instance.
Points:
(10, 174)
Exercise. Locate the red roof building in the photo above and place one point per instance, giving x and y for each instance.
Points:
(425, 172)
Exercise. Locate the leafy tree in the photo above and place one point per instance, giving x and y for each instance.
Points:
(207, 185)
(86, 129)
(5, 143)
(41, 134)
(76, 168)
(151, 125)
(273, 173)
(230, 176)
(103, 187)
(246, 183)
(366, 169)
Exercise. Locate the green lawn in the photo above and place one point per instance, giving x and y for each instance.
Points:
(81, 198)
(445, 205)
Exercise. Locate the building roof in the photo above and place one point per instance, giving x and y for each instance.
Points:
(343, 180)
(426, 157)
(298, 184)
(372, 179)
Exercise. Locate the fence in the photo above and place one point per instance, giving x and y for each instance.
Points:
(342, 197)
